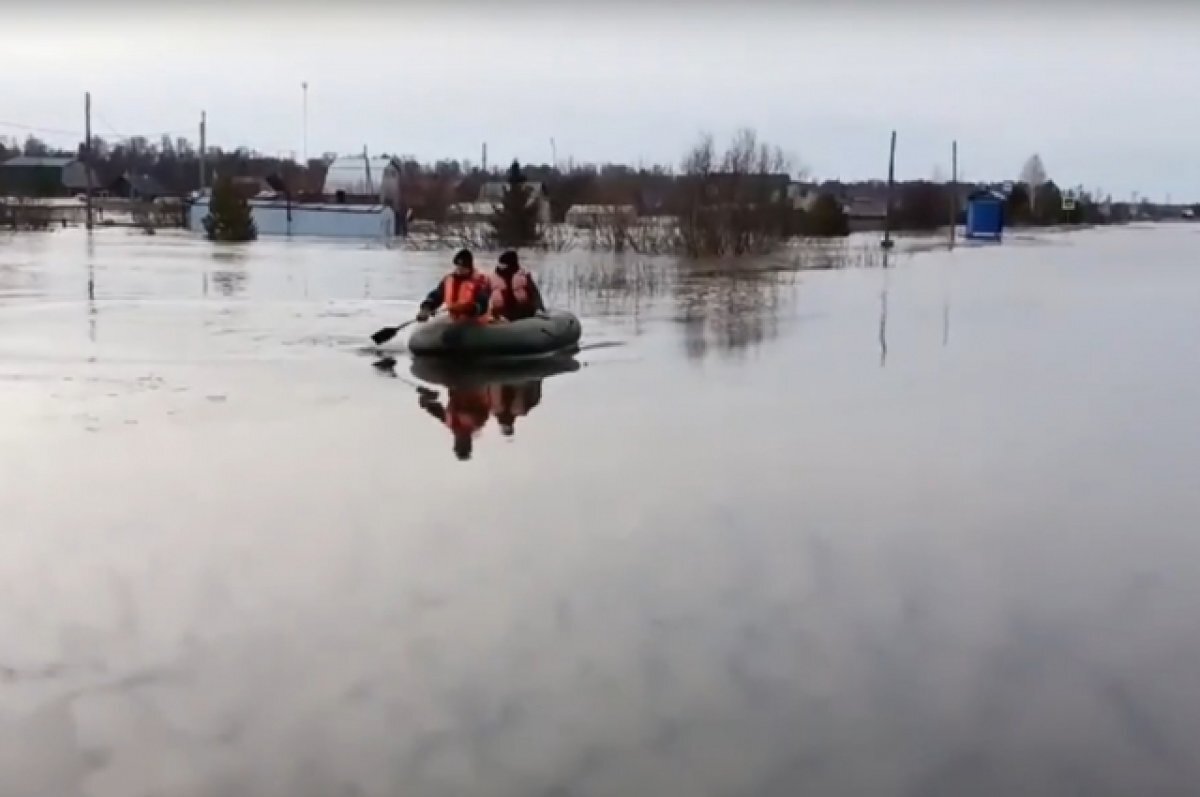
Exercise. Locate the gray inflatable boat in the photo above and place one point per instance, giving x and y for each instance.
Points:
(552, 334)
(448, 373)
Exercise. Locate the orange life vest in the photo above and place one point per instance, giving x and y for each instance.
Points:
(508, 399)
(459, 295)
(466, 411)
(518, 287)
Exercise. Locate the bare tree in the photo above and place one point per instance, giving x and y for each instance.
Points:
(610, 228)
(736, 205)
(437, 197)
(1033, 174)
(760, 175)
(35, 146)
(614, 214)
(695, 224)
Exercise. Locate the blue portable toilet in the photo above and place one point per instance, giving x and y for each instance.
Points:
(985, 216)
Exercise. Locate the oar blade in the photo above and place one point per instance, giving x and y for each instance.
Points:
(384, 335)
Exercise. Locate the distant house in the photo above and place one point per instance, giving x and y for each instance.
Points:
(275, 216)
(802, 196)
(473, 212)
(865, 208)
(592, 216)
(45, 176)
(356, 178)
(137, 186)
(248, 186)
(244, 186)
(493, 192)
(427, 197)
(775, 187)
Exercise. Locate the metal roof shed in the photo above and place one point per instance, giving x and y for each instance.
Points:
(357, 175)
(48, 175)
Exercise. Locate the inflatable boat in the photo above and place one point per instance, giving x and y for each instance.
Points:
(547, 335)
(448, 373)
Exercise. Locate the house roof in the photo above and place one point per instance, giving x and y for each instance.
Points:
(355, 174)
(146, 185)
(865, 207)
(600, 209)
(475, 208)
(52, 161)
(770, 178)
(77, 179)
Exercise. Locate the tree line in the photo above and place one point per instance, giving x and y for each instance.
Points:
(736, 199)
(174, 163)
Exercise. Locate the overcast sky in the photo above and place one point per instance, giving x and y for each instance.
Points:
(1106, 94)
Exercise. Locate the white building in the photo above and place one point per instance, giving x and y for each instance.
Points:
(802, 196)
(473, 211)
(600, 215)
(360, 176)
(273, 217)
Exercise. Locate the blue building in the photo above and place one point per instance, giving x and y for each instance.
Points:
(985, 216)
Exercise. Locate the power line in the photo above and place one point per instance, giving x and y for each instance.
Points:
(104, 122)
(36, 129)
(79, 133)
(114, 132)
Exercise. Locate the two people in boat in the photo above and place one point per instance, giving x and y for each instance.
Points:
(470, 296)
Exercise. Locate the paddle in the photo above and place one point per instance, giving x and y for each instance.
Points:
(387, 333)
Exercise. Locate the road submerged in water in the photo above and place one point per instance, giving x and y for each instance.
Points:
(927, 530)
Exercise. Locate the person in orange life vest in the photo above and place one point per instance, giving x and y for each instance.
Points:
(465, 414)
(510, 402)
(464, 291)
(514, 294)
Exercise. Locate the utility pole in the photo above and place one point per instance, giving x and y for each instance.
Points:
(304, 87)
(367, 166)
(203, 147)
(953, 191)
(484, 158)
(553, 153)
(87, 153)
(887, 219)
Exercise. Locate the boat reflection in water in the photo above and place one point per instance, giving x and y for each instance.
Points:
(475, 394)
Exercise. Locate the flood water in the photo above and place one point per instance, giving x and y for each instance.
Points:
(930, 530)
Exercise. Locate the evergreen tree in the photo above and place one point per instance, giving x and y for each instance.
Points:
(229, 217)
(516, 221)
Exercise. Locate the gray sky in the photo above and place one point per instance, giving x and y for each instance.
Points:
(1104, 93)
